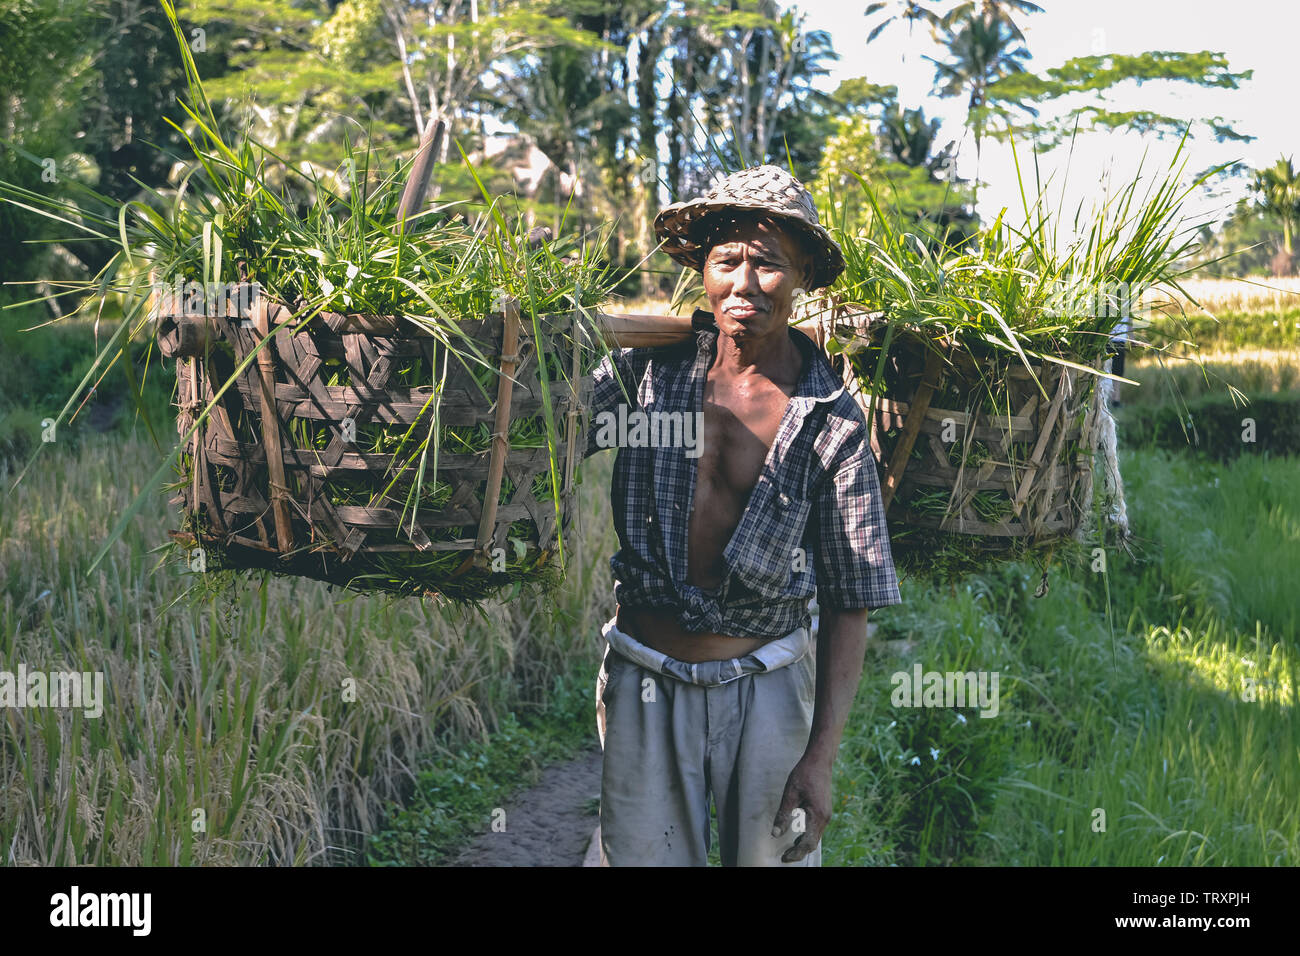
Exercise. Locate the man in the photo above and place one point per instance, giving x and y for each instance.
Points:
(709, 688)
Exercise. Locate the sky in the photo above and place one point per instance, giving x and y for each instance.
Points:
(1256, 35)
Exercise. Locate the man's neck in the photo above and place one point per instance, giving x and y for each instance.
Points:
(774, 356)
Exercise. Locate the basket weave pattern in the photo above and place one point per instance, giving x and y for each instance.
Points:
(1032, 469)
(240, 480)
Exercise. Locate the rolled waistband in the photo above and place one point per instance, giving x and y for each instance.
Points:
(771, 656)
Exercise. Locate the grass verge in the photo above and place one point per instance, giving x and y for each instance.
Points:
(1146, 714)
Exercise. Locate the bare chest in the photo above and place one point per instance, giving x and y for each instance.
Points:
(740, 425)
(741, 421)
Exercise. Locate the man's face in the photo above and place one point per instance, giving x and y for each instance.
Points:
(750, 276)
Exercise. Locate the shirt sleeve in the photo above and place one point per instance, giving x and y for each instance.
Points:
(615, 380)
(851, 553)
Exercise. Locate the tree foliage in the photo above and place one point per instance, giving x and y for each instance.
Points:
(981, 49)
(630, 104)
(1018, 98)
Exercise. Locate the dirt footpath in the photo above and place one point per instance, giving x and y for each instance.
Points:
(549, 825)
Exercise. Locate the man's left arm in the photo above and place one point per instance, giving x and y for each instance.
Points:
(841, 647)
(855, 573)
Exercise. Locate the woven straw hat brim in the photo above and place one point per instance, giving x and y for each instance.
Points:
(675, 223)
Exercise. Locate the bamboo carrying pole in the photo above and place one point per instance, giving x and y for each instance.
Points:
(196, 334)
(639, 331)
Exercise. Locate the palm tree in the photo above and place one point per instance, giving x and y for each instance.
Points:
(1278, 192)
(910, 137)
(906, 11)
(981, 49)
(992, 9)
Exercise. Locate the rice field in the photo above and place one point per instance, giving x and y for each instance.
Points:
(245, 723)
(1245, 295)
(1163, 379)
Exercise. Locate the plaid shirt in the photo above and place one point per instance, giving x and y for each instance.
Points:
(813, 524)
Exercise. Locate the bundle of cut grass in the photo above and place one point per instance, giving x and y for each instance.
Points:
(380, 401)
(977, 367)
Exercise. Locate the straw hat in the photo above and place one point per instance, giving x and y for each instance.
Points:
(767, 188)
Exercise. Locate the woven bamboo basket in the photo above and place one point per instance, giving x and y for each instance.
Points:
(948, 463)
(262, 500)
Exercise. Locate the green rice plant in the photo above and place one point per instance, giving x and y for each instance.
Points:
(243, 213)
(991, 506)
(1018, 294)
(934, 502)
(973, 458)
(914, 785)
(1184, 730)
(1212, 425)
(931, 502)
